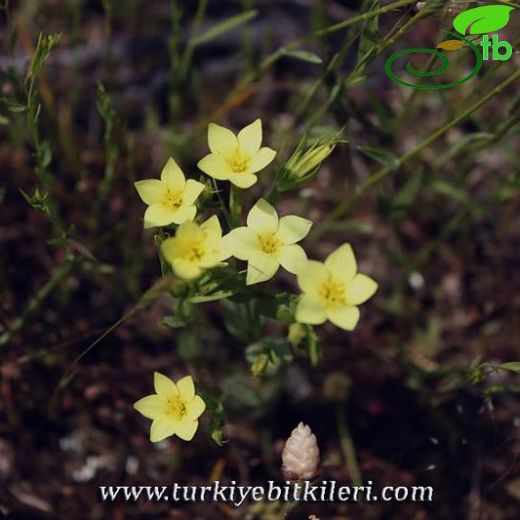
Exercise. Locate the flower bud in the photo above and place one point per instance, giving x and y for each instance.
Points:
(301, 455)
(302, 165)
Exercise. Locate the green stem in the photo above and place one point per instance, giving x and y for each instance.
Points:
(347, 446)
(382, 173)
(57, 276)
(236, 198)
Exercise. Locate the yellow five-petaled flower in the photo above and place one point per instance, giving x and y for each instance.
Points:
(236, 158)
(174, 408)
(268, 242)
(333, 290)
(170, 200)
(195, 248)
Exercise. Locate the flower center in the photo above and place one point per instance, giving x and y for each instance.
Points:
(270, 244)
(175, 408)
(332, 293)
(173, 198)
(238, 162)
(195, 252)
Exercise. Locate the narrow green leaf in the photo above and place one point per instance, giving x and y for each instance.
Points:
(217, 30)
(512, 366)
(381, 156)
(449, 190)
(308, 56)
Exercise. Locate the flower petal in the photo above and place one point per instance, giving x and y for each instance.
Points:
(186, 388)
(360, 289)
(215, 166)
(151, 191)
(344, 317)
(342, 262)
(260, 268)
(292, 228)
(192, 190)
(159, 215)
(311, 275)
(242, 180)
(241, 242)
(250, 138)
(309, 310)
(221, 140)
(195, 408)
(186, 429)
(150, 406)
(212, 226)
(164, 386)
(292, 258)
(185, 269)
(172, 175)
(184, 214)
(264, 156)
(263, 217)
(161, 428)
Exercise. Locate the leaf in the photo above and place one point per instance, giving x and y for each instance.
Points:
(379, 155)
(223, 27)
(481, 20)
(449, 190)
(512, 366)
(451, 45)
(302, 55)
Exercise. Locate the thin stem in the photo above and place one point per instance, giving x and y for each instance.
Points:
(382, 173)
(236, 198)
(347, 446)
(57, 276)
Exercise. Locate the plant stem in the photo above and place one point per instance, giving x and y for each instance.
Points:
(236, 198)
(347, 446)
(57, 276)
(382, 173)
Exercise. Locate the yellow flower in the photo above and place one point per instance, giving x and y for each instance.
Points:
(174, 408)
(268, 242)
(236, 158)
(195, 248)
(332, 290)
(171, 199)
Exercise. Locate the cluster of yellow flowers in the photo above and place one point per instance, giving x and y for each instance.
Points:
(331, 290)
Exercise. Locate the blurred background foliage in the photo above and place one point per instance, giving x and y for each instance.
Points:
(426, 186)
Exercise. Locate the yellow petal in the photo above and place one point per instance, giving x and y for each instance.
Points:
(192, 190)
(260, 268)
(311, 276)
(292, 258)
(360, 289)
(242, 180)
(344, 317)
(292, 229)
(151, 191)
(263, 217)
(158, 215)
(172, 175)
(241, 242)
(186, 429)
(221, 140)
(212, 227)
(342, 262)
(184, 214)
(309, 310)
(186, 388)
(250, 138)
(150, 406)
(161, 428)
(164, 386)
(195, 408)
(264, 157)
(215, 166)
(185, 269)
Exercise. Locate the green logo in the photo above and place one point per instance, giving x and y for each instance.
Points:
(477, 21)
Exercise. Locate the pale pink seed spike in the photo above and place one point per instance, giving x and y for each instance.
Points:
(301, 455)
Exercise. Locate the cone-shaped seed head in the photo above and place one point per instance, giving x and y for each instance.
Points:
(301, 455)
